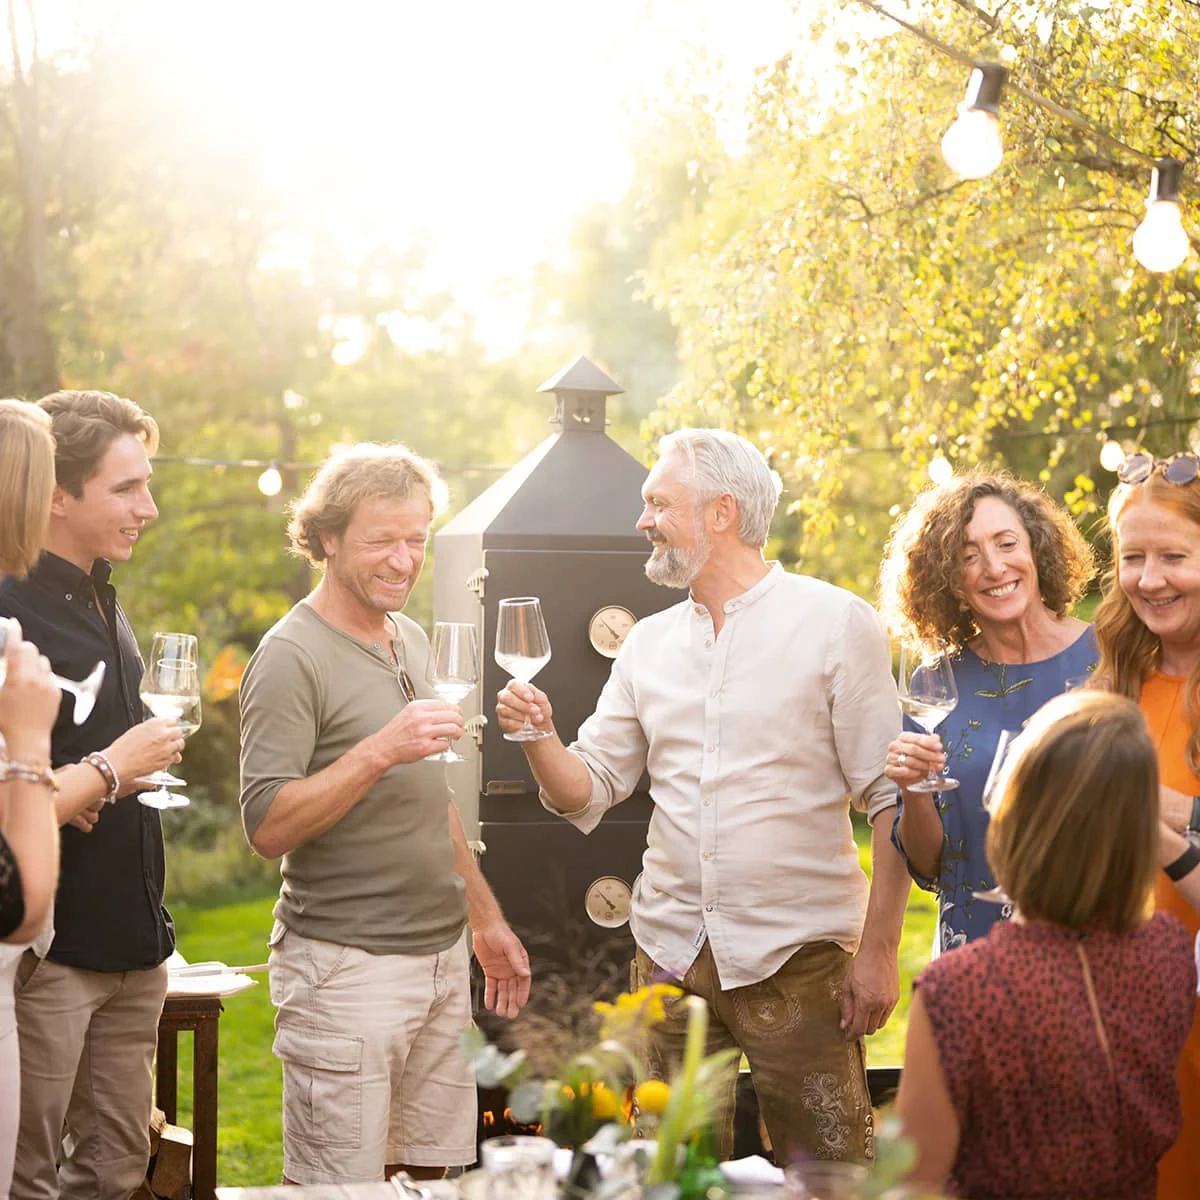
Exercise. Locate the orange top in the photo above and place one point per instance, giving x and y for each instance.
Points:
(1162, 702)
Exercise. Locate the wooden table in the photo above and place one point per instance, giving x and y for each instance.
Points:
(201, 1016)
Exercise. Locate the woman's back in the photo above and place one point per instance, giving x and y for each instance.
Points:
(1039, 1112)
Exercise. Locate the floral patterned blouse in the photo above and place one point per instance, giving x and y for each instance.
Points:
(992, 697)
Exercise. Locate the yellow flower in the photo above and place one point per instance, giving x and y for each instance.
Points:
(651, 1097)
(604, 1102)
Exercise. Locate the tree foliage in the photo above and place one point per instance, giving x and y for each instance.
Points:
(850, 305)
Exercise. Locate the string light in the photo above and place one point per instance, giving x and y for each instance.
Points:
(1112, 453)
(940, 469)
(270, 482)
(1160, 242)
(972, 146)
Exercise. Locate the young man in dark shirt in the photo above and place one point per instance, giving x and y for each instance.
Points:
(90, 991)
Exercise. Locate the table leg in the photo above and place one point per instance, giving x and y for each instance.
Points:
(204, 1074)
(166, 1085)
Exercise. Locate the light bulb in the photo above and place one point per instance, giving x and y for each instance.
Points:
(971, 146)
(1160, 242)
(940, 470)
(270, 482)
(1112, 455)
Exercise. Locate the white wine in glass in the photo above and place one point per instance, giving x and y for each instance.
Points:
(928, 694)
(171, 688)
(453, 670)
(522, 649)
(85, 691)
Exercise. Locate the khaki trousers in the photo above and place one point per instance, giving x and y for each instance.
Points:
(810, 1081)
(87, 1050)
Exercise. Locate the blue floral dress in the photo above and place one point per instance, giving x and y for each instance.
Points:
(992, 697)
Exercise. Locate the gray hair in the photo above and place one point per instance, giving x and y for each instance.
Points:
(724, 462)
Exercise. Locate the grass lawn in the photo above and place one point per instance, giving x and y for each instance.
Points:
(250, 1136)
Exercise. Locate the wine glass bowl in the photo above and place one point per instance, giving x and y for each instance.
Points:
(928, 695)
(522, 649)
(453, 670)
(170, 687)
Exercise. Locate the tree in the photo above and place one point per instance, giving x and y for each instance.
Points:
(855, 309)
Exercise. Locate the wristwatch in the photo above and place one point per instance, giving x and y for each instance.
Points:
(1192, 832)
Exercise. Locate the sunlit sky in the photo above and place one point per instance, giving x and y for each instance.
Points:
(478, 128)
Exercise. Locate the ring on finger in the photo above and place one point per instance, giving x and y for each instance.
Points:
(901, 759)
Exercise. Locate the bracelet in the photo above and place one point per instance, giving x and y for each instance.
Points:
(111, 780)
(28, 774)
(1184, 865)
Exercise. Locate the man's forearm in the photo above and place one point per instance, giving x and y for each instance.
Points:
(483, 909)
(890, 886)
(561, 775)
(306, 808)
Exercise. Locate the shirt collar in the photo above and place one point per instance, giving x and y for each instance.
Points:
(751, 595)
(62, 575)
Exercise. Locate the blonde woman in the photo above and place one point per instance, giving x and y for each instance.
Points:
(1041, 1059)
(29, 702)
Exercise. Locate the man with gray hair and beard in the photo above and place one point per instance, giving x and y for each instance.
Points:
(759, 705)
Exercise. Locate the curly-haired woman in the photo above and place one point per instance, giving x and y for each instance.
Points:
(984, 568)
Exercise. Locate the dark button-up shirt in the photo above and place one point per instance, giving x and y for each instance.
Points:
(108, 912)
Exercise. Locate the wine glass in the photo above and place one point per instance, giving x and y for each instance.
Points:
(171, 688)
(522, 649)
(928, 694)
(85, 691)
(453, 670)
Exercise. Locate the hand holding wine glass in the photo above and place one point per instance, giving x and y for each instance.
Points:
(453, 670)
(522, 649)
(171, 688)
(928, 695)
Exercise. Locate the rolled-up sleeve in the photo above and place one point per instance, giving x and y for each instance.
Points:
(612, 744)
(866, 714)
(279, 699)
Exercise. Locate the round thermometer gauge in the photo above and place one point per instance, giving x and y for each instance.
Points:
(608, 629)
(607, 901)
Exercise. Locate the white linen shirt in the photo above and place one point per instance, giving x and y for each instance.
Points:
(753, 741)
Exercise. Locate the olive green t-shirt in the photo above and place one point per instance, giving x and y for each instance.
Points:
(383, 877)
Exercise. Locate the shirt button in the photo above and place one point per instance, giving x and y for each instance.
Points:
(710, 749)
(706, 855)
(708, 908)
(69, 596)
(708, 804)
(707, 642)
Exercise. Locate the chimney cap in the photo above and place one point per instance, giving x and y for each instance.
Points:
(582, 376)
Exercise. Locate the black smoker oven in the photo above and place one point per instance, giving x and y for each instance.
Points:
(559, 525)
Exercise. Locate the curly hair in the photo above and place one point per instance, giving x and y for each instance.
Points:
(920, 581)
(1129, 652)
(363, 472)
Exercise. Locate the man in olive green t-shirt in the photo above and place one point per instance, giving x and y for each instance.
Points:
(369, 966)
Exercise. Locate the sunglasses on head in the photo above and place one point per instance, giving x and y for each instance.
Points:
(1179, 468)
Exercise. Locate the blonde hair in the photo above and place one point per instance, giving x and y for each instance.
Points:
(920, 582)
(26, 484)
(86, 423)
(1074, 836)
(1129, 652)
(363, 472)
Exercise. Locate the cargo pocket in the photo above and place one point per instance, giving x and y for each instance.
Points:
(322, 1086)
